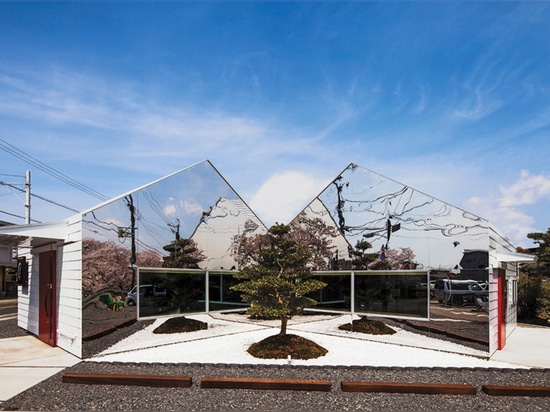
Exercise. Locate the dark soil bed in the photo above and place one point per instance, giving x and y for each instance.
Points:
(281, 346)
(180, 325)
(364, 325)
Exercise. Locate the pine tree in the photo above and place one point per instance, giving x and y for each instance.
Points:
(276, 286)
(541, 267)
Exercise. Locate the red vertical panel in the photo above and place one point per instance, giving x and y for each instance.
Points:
(47, 305)
(501, 308)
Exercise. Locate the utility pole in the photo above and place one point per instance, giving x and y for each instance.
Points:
(28, 201)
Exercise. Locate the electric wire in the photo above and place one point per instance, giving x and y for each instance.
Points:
(40, 197)
(18, 216)
(9, 148)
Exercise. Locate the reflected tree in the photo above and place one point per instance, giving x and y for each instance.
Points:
(184, 254)
(400, 259)
(104, 265)
(149, 259)
(310, 233)
(247, 249)
(360, 258)
(316, 236)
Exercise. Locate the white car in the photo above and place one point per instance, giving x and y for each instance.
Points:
(457, 292)
(144, 291)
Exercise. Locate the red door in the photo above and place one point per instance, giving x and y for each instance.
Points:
(502, 303)
(47, 307)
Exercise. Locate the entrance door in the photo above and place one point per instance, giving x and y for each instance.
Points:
(502, 308)
(47, 307)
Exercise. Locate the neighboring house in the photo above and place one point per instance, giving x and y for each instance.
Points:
(8, 284)
(72, 294)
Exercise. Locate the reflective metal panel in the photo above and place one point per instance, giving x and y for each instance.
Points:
(185, 220)
(336, 296)
(365, 206)
(385, 225)
(392, 294)
(164, 292)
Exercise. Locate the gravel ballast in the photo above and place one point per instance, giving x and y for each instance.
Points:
(54, 395)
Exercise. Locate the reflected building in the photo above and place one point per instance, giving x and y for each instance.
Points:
(406, 235)
(365, 206)
(191, 215)
(195, 203)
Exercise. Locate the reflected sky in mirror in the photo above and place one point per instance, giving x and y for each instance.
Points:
(364, 205)
(195, 203)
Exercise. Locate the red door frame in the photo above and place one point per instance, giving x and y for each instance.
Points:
(502, 308)
(47, 306)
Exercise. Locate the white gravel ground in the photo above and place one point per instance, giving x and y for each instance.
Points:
(228, 337)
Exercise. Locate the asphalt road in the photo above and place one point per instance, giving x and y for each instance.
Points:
(8, 308)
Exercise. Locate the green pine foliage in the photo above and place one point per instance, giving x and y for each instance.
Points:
(277, 285)
(542, 252)
(534, 289)
(184, 253)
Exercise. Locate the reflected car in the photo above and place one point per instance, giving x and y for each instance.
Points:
(144, 291)
(484, 285)
(457, 292)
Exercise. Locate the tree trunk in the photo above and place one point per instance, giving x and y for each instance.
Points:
(284, 321)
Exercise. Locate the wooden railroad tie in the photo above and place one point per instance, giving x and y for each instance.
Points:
(124, 379)
(402, 387)
(273, 384)
(498, 390)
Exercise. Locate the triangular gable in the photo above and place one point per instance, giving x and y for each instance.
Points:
(366, 206)
(194, 203)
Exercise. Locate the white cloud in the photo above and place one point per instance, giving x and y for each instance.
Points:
(514, 223)
(192, 207)
(478, 108)
(170, 210)
(284, 195)
(526, 191)
(505, 210)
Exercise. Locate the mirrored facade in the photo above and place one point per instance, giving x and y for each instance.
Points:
(385, 225)
(401, 294)
(175, 239)
(169, 292)
(185, 220)
(392, 217)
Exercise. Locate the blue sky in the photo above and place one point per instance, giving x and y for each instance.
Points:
(451, 98)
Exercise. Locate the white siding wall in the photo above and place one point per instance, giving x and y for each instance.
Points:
(511, 297)
(69, 286)
(27, 296)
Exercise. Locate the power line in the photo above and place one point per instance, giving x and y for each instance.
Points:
(40, 197)
(55, 203)
(20, 217)
(9, 148)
